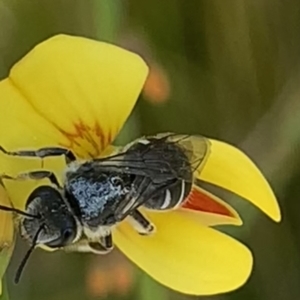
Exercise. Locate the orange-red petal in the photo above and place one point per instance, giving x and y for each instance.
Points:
(209, 209)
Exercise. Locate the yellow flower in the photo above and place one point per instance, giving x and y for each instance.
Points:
(77, 93)
(6, 233)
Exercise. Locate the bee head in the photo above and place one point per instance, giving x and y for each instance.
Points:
(47, 221)
(53, 219)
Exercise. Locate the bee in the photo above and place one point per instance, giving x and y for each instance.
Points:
(154, 172)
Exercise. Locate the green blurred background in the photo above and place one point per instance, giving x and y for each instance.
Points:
(228, 69)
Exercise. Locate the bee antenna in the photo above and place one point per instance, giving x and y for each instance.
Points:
(27, 255)
(18, 211)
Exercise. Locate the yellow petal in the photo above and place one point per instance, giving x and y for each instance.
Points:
(68, 91)
(186, 256)
(85, 88)
(6, 233)
(231, 169)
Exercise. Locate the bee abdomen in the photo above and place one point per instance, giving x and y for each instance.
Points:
(170, 198)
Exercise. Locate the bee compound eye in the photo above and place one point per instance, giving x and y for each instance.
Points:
(68, 235)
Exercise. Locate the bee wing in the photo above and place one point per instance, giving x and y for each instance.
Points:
(161, 157)
(156, 161)
(145, 191)
(120, 163)
(195, 147)
(135, 199)
(163, 154)
(132, 163)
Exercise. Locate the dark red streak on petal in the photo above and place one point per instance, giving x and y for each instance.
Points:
(200, 201)
(100, 134)
(83, 132)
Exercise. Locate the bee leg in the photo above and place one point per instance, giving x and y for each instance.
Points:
(96, 247)
(86, 247)
(140, 223)
(104, 246)
(43, 152)
(82, 247)
(34, 175)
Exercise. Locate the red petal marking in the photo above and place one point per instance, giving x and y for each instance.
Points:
(84, 132)
(200, 201)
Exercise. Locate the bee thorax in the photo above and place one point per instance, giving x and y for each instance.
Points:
(97, 196)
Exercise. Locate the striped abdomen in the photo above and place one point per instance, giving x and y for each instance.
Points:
(171, 197)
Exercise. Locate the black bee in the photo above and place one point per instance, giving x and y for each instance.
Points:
(155, 172)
